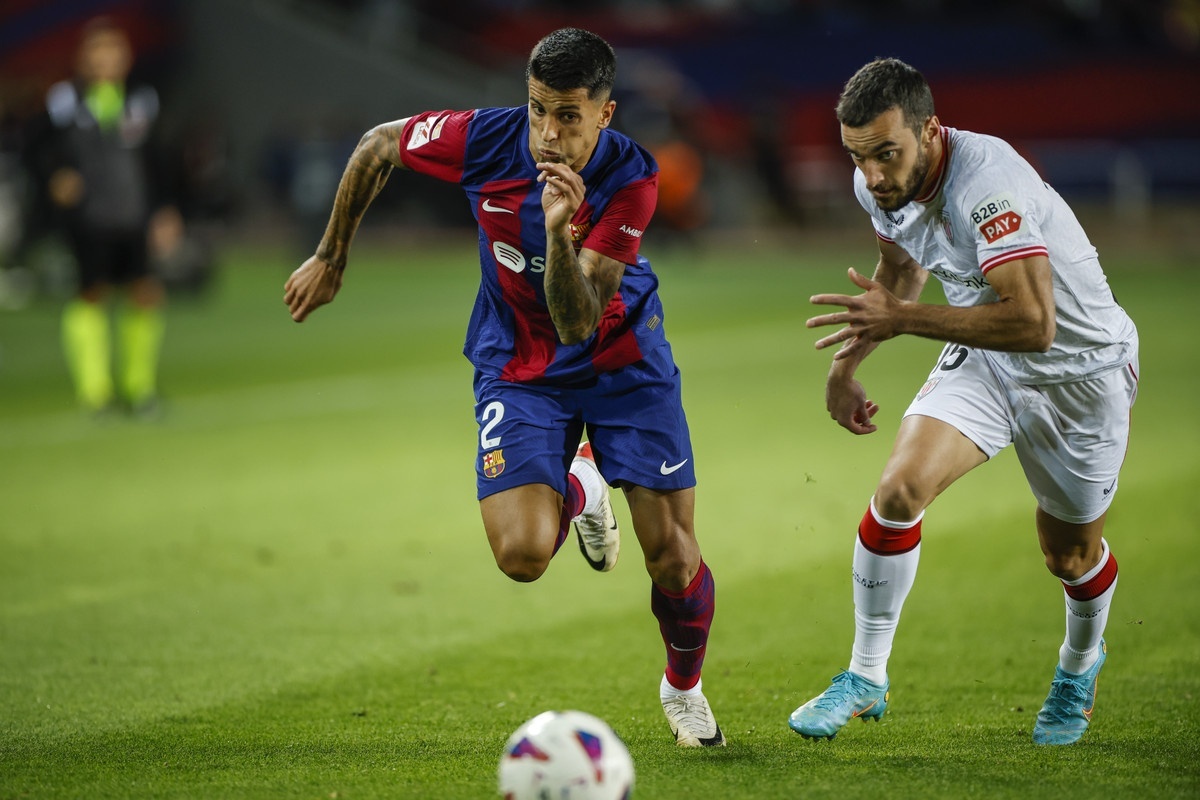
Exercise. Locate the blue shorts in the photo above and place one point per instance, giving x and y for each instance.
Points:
(633, 416)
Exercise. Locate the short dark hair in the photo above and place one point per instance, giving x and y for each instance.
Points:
(571, 58)
(883, 84)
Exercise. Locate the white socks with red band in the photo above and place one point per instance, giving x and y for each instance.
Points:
(886, 554)
(1088, 600)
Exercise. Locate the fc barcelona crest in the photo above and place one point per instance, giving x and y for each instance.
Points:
(493, 463)
(579, 232)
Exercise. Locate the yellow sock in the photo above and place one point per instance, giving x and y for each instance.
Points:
(87, 344)
(141, 333)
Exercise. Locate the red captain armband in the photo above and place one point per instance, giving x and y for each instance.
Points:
(884, 541)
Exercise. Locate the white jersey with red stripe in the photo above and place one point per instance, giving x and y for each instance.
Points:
(987, 207)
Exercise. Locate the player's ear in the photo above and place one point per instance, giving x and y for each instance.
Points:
(606, 114)
(932, 130)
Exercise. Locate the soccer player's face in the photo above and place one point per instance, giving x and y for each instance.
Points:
(893, 159)
(564, 126)
(105, 56)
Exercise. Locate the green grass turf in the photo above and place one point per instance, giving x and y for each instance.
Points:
(282, 589)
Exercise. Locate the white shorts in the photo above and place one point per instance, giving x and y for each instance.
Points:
(1070, 437)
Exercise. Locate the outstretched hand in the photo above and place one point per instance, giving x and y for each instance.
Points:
(312, 285)
(869, 317)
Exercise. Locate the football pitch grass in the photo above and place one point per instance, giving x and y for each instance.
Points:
(282, 589)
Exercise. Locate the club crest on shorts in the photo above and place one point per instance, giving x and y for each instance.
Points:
(929, 386)
(493, 463)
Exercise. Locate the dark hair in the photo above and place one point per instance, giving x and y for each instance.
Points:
(883, 84)
(571, 58)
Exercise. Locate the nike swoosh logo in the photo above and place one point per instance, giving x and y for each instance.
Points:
(665, 470)
(686, 649)
(487, 206)
(595, 563)
(862, 711)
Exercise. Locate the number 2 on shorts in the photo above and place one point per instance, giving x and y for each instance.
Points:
(492, 414)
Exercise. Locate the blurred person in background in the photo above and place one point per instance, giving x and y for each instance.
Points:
(12, 211)
(566, 336)
(1040, 356)
(102, 171)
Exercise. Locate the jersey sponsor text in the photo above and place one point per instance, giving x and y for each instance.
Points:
(972, 281)
(996, 217)
(515, 260)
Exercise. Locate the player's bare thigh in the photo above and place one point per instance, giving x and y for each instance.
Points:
(522, 525)
(927, 457)
(665, 526)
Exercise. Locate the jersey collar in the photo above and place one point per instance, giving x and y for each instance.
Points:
(939, 169)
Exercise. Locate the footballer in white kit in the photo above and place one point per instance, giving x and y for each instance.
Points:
(988, 207)
(1039, 355)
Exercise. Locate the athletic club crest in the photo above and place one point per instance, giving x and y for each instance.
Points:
(929, 386)
(493, 463)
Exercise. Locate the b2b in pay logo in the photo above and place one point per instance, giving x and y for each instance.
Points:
(996, 217)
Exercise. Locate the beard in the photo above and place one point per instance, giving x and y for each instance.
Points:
(908, 192)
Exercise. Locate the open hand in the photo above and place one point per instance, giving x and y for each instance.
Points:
(869, 317)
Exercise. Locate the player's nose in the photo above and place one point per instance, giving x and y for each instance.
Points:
(873, 174)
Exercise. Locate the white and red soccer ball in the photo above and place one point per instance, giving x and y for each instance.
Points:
(565, 755)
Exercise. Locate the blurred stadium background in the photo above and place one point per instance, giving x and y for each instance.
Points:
(264, 100)
(276, 590)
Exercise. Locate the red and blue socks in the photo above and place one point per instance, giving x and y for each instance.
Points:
(572, 508)
(684, 619)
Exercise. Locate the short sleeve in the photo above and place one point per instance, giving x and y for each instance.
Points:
(434, 143)
(618, 232)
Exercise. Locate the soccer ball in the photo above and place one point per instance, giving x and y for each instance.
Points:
(565, 755)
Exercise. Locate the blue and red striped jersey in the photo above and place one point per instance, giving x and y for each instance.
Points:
(510, 335)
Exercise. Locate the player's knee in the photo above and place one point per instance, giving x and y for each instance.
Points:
(94, 293)
(1067, 566)
(899, 498)
(520, 563)
(147, 293)
(672, 568)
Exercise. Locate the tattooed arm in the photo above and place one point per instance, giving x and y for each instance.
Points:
(578, 288)
(318, 279)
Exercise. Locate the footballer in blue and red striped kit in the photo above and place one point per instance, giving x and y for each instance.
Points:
(567, 337)
(511, 334)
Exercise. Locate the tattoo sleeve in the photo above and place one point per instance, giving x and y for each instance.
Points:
(365, 175)
(570, 297)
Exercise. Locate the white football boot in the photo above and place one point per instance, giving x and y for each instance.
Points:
(691, 720)
(598, 534)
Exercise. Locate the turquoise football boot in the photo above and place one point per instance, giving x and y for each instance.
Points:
(849, 696)
(1068, 709)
